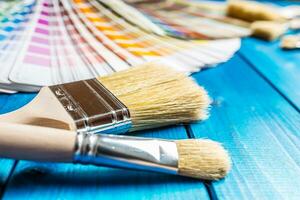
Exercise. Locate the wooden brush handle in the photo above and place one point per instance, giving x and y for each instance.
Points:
(43, 110)
(27, 142)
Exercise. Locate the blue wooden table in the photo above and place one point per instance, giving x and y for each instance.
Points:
(255, 114)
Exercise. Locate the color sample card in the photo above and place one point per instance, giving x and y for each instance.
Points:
(47, 42)
(192, 20)
(14, 23)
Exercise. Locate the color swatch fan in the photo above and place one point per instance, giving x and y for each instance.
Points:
(48, 42)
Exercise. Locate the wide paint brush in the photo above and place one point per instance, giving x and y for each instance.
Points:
(142, 97)
(196, 158)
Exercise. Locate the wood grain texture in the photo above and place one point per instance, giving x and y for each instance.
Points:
(280, 67)
(258, 127)
(7, 104)
(33, 180)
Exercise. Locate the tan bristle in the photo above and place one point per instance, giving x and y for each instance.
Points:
(203, 159)
(268, 30)
(290, 42)
(158, 95)
(252, 11)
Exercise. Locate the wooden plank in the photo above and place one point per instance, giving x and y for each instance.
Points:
(66, 181)
(259, 128)
(281, 68)
(6, 166)
(9, 103)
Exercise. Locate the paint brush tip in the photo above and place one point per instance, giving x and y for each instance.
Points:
(202, 159)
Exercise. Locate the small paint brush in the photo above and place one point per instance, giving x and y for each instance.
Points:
(252, 11)
(290, 42)
(267, 21)
(142, 97)
(294, 24)
(196, 158)
(268, 30)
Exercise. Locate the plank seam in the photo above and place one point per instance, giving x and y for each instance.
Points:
(208, 186)
(2, 190)
(189, 131)
(211, 190)
(252, 66)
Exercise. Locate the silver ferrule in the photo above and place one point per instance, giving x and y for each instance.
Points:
(127, 152)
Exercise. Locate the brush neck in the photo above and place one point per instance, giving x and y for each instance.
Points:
(126, 152)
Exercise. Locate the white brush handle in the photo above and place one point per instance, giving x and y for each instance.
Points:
(27, 142)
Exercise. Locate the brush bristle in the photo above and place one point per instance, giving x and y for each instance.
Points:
(290, 42)
(158, 95)
(252, 11)
(267, 30)
(202, 159)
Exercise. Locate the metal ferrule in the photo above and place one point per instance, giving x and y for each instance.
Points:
(93, 107)
(127, 152)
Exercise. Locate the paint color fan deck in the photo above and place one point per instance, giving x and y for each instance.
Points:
(48, 42)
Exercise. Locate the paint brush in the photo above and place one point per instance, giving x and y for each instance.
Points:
(268, 30)
(267, 21)
(142, 97)
(196, 158)
(252, 11)
(290, 42)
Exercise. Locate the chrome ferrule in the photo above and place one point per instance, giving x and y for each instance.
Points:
(126, 152)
